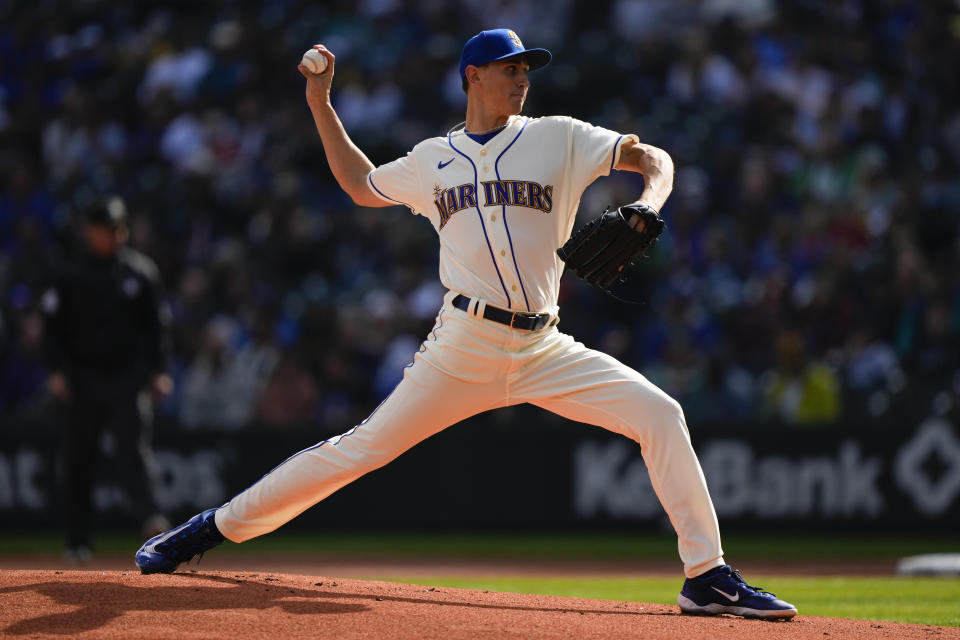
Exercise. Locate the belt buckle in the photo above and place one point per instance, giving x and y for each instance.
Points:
(534, 317)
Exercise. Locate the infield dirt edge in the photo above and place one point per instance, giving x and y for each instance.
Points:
(229, 604)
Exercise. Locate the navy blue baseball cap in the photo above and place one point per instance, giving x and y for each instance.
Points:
(497, 44)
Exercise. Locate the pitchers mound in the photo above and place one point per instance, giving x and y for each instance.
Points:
(229, 605)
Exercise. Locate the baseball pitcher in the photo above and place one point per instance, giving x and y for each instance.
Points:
(502, 193)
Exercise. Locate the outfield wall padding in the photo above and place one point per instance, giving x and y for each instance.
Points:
(526, 468)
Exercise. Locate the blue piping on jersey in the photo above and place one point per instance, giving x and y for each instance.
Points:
(328, 441)
(423, 345)
(476, 188)
(615, 147)
(504, 215)
(382, 194)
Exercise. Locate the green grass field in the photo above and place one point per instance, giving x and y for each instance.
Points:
(934, 601)
(919, 600)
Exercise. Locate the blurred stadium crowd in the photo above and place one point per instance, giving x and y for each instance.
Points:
(811, 268)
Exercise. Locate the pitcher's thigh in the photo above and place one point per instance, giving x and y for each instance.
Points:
(590, 386)
(425, 402)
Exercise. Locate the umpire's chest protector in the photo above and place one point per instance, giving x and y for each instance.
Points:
(502, 208)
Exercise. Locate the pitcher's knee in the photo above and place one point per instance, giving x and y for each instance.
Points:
(673, 411)
(661, 416)
(671, 414)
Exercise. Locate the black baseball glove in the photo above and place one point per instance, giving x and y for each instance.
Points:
(606, 245)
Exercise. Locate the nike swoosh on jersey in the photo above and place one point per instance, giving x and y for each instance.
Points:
(731, 598)
(441, 165)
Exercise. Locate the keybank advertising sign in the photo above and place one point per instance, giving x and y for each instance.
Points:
(793, 474)
(553, 474)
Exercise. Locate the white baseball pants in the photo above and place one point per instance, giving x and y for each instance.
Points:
(469, 365)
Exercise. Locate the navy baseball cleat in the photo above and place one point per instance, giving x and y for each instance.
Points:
(165, 552)
(723, 590)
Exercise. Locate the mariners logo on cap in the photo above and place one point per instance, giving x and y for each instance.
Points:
(515, 38)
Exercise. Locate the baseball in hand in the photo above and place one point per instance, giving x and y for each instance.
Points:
(314, 61)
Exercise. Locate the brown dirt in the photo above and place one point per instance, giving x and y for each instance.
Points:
(211, 605)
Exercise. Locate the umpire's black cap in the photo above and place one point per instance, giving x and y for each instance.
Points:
(108, 212)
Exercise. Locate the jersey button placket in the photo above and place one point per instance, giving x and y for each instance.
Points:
(500, 240)
(497, 231)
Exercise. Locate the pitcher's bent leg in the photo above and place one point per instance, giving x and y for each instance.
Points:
(424, 403)
(592, 387)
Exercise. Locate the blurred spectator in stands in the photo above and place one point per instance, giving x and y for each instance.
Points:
(256, 359)
(935, 353)
(22, 371)
(817, 147)
(290, 396)
(212, 395)
(800, 390)
(871, 363)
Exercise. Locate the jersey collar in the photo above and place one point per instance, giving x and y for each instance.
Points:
(461, 138)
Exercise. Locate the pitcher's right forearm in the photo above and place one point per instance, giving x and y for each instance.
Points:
(349, 165)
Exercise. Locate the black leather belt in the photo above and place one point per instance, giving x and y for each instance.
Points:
(514, 319)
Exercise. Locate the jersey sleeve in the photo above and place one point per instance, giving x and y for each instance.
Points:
(596, 151)
(398, 182)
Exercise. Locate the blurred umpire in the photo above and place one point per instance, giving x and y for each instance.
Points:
(106, 348)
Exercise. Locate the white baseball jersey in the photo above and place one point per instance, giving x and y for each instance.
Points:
(518, 194)
(501, 209)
